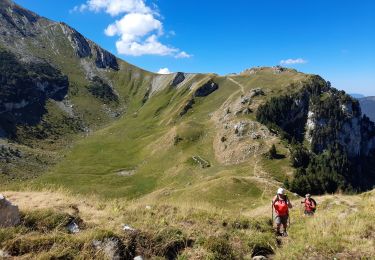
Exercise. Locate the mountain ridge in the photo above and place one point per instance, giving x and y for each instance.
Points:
(105, 94)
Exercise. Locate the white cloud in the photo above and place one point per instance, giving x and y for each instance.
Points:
(134, 25)
(115, 7)
(139, 30)
(293, 61)
(164, 71)
(149, 46)
(182, 55)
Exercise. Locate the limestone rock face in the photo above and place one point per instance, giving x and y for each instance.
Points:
(78, 42)
(105, 60)
(180, 77)
(9, 213)
(206, 89)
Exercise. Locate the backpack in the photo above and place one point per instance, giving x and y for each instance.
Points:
(283, 208)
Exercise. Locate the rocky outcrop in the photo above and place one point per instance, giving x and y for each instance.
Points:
(9, 213)
(104, 59)
(15, 17)
(322, 116)
(189, 105)
(79, 43)
(25, 89)
(179, 78)
(206, 89)
(112, 247)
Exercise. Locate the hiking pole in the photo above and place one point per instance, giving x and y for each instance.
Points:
(272, 213)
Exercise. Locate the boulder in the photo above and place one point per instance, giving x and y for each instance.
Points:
(9, 213)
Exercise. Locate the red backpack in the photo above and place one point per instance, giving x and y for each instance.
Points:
(281, 206)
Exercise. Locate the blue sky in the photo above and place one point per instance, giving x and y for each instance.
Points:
(335, 39)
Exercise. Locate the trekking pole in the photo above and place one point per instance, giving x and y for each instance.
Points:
(272, 213)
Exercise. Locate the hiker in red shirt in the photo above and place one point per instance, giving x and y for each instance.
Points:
(310, 205)
(281, 205)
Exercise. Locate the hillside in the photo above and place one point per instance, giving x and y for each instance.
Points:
(368, 107)
(190, 161)
(75, 116)
(342, 228)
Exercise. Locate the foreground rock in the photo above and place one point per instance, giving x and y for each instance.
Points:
(9, 213)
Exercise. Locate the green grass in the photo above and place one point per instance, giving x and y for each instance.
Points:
(145, 140)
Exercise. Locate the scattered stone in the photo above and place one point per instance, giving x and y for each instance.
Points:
(4, 254)
(125, 172)
(111, 247)
(73, 227)
(127, 228)
(9, 213)
(240, 128)
(246, 111)
(256, 92)
(148, 207)
(259, 257)
(202, 162)
(245, 100)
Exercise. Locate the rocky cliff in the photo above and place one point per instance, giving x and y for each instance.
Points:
(339, 138)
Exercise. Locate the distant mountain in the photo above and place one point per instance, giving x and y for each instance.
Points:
(356, 95)
(368, 107)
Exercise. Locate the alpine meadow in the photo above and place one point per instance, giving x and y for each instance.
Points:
(101, 159)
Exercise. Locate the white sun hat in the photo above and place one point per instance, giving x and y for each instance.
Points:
(280, 191)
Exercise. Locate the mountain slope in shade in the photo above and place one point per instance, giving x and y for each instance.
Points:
(368, 107)
(356, 95)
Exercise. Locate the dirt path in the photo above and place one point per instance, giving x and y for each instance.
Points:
(238, 84)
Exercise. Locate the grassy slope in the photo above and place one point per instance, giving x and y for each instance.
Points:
(144, 141)
(342, 228)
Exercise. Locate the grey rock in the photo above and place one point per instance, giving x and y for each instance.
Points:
(179, 78)
(259, 257)
(240, 129)
(73, 227)
(9, 213)
(79, 43)
(105, 60)
(111, 247)
(206, 89)
(4, 254)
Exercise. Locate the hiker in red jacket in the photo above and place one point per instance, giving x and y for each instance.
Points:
(281, 205)
(310, 205)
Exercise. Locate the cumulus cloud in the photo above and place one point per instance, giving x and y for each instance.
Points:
(139, 29)
(293, 61)
(182, 55)
(164, 71)
(114, 7)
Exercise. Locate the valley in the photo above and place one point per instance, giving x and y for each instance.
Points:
(189, 161)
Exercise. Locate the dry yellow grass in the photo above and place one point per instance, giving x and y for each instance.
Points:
(342, 228)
